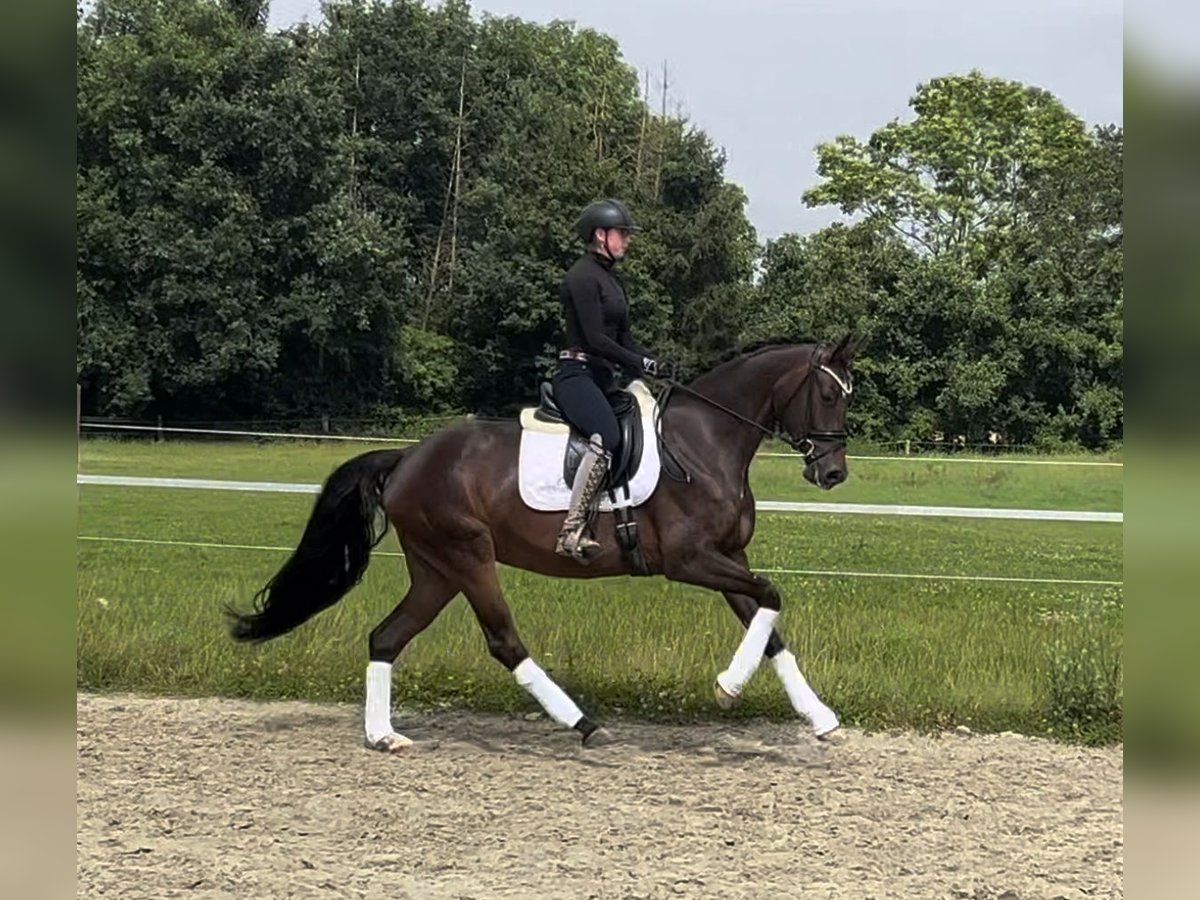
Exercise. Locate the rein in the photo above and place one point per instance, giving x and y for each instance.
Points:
(803, 445)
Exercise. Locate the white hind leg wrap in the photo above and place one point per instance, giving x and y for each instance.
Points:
(553, 699)
(379, 700)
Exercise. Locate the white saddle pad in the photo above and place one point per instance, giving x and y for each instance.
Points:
(544, 444)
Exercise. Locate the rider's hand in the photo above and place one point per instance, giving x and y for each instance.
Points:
(659, 368)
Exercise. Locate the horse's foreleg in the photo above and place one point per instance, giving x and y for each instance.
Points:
(718, 572)
(757, 603)
(427, 596)
(744, 607)
(804, 699)
(483, 592)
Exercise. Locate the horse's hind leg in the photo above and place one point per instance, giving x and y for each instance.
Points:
(482, 589)
(427, 596)
(804, 699)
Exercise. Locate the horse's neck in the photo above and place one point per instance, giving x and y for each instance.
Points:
(743, 386)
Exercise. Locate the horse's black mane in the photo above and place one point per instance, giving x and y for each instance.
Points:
(761, 346)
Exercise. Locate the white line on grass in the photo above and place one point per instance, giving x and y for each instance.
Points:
(200, 484)
(232, 433)
(870, 509)
(956, 512)
(819, 573)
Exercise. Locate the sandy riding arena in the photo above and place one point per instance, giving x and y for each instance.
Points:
(218, 798)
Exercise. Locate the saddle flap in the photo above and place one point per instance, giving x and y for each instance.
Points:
(624, 403)
(549, 448)
(631, 443)
(628, 455)
(630, 405)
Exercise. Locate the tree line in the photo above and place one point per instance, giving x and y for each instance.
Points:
(370, 218)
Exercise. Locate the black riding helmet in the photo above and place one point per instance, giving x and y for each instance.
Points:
(604, 214)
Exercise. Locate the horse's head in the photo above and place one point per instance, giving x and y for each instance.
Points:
(811, 407)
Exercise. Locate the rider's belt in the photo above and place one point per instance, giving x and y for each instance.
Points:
(572, 353)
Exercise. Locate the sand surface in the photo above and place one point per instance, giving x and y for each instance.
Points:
(221, 798)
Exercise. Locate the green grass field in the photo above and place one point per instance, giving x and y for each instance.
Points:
(891, 481)
(1036, 657)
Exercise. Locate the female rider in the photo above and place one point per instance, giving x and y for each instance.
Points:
(598, 339)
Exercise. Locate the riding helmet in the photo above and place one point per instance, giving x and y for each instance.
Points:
(604, 214)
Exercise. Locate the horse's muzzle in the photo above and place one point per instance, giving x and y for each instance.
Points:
(826, 480)
(833, 478)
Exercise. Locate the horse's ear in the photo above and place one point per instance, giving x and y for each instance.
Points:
(846, 349)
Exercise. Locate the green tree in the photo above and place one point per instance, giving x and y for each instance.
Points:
(171, 236)
(960, 171)
(985, 270)
(227, 265)
(371, 215)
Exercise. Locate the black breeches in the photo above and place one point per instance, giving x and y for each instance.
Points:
(581, 392)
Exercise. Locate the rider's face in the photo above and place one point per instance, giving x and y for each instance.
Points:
(616, 240)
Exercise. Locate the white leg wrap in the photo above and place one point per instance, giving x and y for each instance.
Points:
(804, 699)
(553, 699)
(379, 700)
(749, 652)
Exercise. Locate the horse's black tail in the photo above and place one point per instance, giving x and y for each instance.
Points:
(333, 552)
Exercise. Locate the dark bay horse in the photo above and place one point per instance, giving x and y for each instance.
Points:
(455, 504)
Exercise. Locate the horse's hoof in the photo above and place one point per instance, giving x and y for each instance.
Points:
(600, 737)
(833, 735)
(389, 743)
(824, 723)
(725, 700)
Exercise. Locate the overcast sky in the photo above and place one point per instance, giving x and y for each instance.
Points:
(770, 79)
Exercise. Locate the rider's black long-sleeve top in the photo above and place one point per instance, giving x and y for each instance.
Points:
(597, 313)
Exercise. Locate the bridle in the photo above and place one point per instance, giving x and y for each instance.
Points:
(806, 444)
